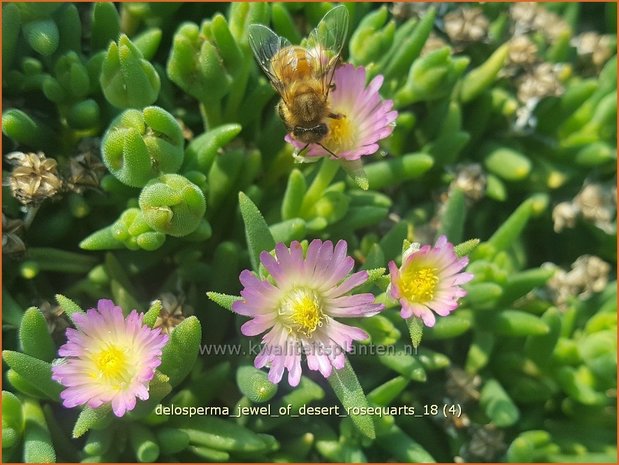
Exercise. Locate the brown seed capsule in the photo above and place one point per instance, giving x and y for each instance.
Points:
(593, 48)
(470, 179)
(173, 312)
(12, 242)
(522, 52)
(86, 168)
(541, 81)
(597, 204)
(34, 178)
(56, 318)
(466, 25)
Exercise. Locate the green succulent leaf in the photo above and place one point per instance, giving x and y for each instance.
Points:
(181, 351)
(127, 79)
(257, 232)
(254, 384)
(35, 371)
(89, 418)
(34, 336)
(141, 145)
(38, 446)
(172, 205)
(347, 388)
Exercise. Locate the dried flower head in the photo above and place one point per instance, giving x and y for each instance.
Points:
(529, 16)
(12, 236)
(34, 177)
(465, 25)
(406, 10)
(598, 204)
(522, 52)
(428, 281)
(470, 179)
(588, 275)
(108, 359)
(542, 81)
(564, 215)
(56, 318)
(550, 24)
(593, 48)
(462, 386)
(433, 43)
(486, 443)
(298, 305)
(86, 168)
(523, 15)
(173, 311)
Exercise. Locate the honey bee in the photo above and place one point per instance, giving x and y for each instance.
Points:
(303, 74)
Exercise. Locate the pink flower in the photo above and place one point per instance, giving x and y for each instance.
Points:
(428, 281)
(108, 359)
(366, 118)
(298, 305)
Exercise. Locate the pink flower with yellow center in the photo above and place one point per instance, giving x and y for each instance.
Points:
(365, 117)
(108, 359)
(428, 281)
(298, 305)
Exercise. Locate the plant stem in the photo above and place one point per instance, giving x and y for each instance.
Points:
(30, 214)
(211, 114)
(325, 175)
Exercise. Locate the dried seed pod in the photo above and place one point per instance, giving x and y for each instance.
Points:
(34, 178)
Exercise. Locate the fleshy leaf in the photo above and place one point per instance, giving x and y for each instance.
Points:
(90, 418)
(257, 231)
(415, 328)
(181, 351)
(347, 388)
(223, 300)
(35, 371)
(34, 336)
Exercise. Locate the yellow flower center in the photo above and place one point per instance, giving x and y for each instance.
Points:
(342, 135)
(418, 284)
(113, 366)
(302, 311)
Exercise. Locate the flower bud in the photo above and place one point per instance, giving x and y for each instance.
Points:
(127, 80)
(172, 205)
(141, 145)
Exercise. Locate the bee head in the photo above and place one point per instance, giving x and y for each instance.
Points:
(311, 135)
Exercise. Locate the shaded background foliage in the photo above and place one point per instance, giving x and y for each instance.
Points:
(506, 139)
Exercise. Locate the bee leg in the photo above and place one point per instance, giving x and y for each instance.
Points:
(282, 116)
(335, 115)
(329, 151)
(300, 152)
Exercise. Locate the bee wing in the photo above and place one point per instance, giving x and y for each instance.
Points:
(327, 41)
(265, 44)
